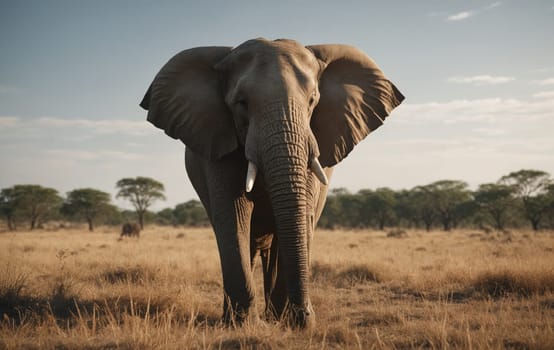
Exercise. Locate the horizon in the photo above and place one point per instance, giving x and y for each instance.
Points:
(477, 75)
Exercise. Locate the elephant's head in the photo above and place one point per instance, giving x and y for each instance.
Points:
(286, 106)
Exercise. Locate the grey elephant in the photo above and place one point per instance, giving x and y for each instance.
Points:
(264, 123)
(130, 230)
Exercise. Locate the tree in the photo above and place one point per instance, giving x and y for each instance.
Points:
(448, 197)
(142, 192)
(35, 203)
(112, 216)
(421, 202)
(343, 209)
(378, 205)
(87, 203)
(550, 210)
(191, 213)
(405, 210)
(531, 188)
(8, 206)
(351, 209)
(330, 212)
(496, 200)
(165, 217)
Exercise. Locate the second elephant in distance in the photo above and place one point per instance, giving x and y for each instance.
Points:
(264, 123)
(130, 230)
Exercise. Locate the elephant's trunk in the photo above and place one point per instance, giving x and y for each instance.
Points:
(284, 154)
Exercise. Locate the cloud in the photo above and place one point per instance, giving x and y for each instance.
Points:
(82, 155)
(460, 16)
(544, 94)
(463, 15)
(103, 126)
(488, 131)
(493, 5)
(423, 142)
(486, 143)
(98, 126)
(437, 14)
(481, 80)
(543, 70)
(8, 122)
(548, 81)
(478, 111)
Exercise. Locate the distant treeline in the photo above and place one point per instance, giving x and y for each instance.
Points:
(31, 206)
(523, 198)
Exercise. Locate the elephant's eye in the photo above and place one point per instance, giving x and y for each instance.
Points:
(312, 99)
(242, 104)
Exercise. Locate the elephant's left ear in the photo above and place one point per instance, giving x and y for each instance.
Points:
(355, 99)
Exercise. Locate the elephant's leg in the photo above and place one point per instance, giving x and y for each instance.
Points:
(234, 253)
(220, 186)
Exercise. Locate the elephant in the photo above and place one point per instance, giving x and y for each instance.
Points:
(263, 125)
(130, 230)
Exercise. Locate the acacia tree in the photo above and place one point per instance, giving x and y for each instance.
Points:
(166, 217)
(405, 209)
(87, 203)
(332, 212)
(496, 200)
(421, 203)
(379, 205)
(8, 206)
(142, 192)
(550, 211)
(531, 188)
(35, 203)
(448, 197)
(191, 213)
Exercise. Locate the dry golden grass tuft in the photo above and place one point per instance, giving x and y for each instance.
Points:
(74, 289)
(507, 282)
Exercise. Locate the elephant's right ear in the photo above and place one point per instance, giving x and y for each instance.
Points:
(186, 100)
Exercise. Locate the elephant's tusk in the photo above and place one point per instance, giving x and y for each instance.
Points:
(251, 176)
(318, 171)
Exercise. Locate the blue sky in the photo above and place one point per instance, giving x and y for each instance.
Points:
(478, 78)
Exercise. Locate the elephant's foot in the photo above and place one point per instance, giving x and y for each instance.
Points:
(235, 314)
(302, 317)
(276, 304)
(235, 318)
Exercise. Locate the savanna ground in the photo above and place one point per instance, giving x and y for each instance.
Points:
(466, 289)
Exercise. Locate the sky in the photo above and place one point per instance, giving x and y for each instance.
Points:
(478, 77)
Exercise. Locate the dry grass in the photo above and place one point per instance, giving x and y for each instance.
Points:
(74, 289)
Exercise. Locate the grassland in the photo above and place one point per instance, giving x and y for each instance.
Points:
(466, 289)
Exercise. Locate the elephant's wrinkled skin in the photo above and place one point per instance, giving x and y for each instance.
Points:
(272, 108)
